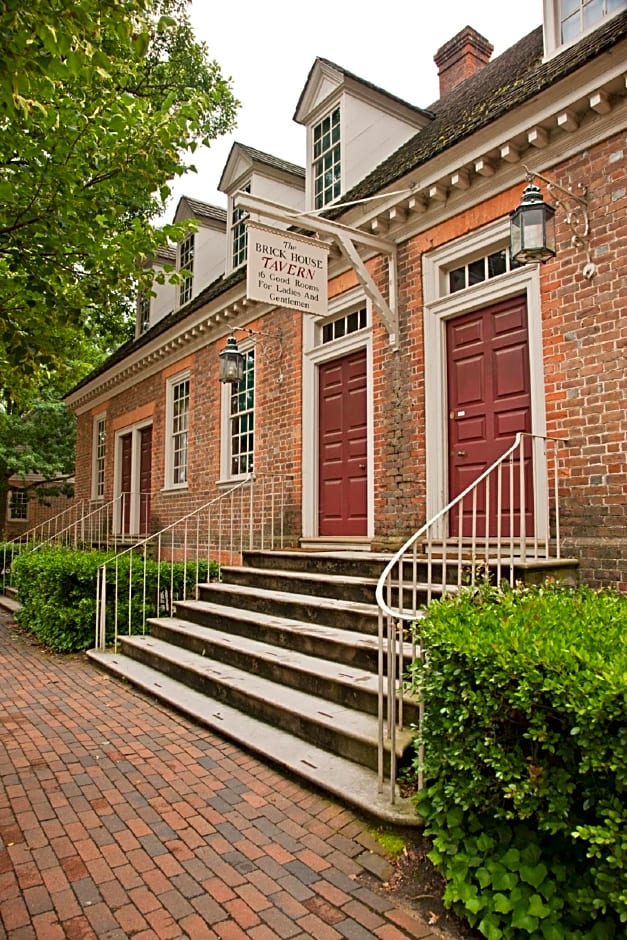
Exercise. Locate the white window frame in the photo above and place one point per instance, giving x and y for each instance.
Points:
(14, 491)
(238, 236)
(553, 25)
(170, 433)
(98, 456)
(439, 307)
(315, 352)
(226, 473)
(186, 251)
(315, 160)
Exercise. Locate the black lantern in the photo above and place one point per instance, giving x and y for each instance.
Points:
(231, 363)
(532, 228)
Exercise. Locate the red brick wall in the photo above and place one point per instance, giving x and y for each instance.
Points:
(584, 341)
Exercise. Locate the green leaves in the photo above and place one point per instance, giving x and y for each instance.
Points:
(99, 110)
(525, 755)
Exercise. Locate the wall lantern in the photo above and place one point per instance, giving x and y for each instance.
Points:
(532, 224)
(231, 363)
(532, 228)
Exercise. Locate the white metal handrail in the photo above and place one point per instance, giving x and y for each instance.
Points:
(495, 520)
(249, 515)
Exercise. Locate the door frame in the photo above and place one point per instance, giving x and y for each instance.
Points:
(315, 353)
(438, 309)
(134, 430)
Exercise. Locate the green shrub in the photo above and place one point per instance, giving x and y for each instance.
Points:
(57, 591)
(525, 758)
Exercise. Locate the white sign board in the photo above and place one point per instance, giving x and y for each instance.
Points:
(287, 270)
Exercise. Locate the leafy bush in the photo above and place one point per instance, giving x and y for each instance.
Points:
(57, 590)
(525, 758)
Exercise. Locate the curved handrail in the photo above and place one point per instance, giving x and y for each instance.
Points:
(396, 558)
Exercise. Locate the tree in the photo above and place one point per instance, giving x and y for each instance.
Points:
(101, 101)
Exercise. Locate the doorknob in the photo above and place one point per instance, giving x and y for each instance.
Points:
(362, 466)
(461, 453)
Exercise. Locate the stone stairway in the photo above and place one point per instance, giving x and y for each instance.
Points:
(281, 656)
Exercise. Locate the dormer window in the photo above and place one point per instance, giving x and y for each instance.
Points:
(143, 311)
(327, 176)
(579, 16)
(565, 21)
(238, 233)
(186, 263)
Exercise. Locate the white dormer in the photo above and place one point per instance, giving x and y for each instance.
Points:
(157, 303)
(260, 174)
(566, 21)
(352, 126)
(201, 253)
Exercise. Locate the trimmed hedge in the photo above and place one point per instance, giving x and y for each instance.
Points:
(525, 758)
(57, 590)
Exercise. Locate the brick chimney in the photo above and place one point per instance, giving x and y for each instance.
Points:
(460, 57)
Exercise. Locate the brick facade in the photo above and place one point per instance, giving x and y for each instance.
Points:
(581, 374)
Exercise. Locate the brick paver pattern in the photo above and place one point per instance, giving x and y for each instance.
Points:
(119, 818)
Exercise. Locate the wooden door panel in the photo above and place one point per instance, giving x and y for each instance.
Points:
(489, 401)
(342, 444)
(145, 478)
(126, 465)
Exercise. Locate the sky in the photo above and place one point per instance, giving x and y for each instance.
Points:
(267, 48)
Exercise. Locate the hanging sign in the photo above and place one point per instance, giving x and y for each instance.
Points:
(286, 270)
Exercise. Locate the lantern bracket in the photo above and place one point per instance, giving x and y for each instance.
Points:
(577, 216)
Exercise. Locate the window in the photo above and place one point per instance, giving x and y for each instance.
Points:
(186, 263)
(343, 326)
(579, 16)
(178, 427)
(99, 451)
(238, 233)
(143, 311)
(242, 419)
(481, 269)
(18, 506)
(326, 160)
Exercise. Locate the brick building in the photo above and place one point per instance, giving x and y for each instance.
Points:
(358, 411)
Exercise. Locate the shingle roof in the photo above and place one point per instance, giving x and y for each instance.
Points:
(362, 81)
(218, 287)
(204, 209)
(269, 160)
(507, 82)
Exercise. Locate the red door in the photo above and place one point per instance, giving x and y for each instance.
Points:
(342, 502)
(126, 461)
(145, 478)
(489, 402)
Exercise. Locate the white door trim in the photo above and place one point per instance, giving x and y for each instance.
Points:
(437, 311)
(315, 353)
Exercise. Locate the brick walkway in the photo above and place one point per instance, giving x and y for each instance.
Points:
(120, 819)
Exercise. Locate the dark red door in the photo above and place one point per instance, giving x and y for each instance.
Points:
(342, 503)
(489, 402)
(145, 478)
(126, 461)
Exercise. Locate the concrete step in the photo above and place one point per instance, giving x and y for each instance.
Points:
(343, 731)
(353, 564)
(339, 586)
(349, 782)
(345, 615)
(332, 677)
(358, 650)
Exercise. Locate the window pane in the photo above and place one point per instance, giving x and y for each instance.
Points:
(476, 271)
(456, 280)
(497, 263)
(592, 13)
